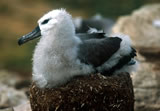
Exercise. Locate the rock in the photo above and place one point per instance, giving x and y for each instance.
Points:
(150, 54)
(8, 78)
(22, 107)
(7, 109)
(14, 80)
(141, 25)
(10, 97)
(147, 87)
(89, 93)
(13, 89)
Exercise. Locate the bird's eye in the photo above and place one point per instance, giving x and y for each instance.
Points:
(45, 21)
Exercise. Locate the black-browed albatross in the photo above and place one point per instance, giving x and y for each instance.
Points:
(62, 54)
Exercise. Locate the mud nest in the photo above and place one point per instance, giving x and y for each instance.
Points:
(89, 93)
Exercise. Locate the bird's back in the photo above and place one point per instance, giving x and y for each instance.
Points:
(107, 55)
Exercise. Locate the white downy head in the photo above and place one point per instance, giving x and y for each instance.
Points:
(56, 21)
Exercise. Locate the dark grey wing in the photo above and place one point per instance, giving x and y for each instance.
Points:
(125, 60)
(87, 36)
(98, 51)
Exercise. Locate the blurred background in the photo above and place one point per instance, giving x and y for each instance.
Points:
(18, 17)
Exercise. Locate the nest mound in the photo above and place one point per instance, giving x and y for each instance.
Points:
(90, 93)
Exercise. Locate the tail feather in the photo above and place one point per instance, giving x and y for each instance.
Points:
(125, 60)
(131, 62)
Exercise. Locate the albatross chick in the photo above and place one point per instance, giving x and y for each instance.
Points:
(62, 54)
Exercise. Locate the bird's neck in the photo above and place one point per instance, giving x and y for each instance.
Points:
(64, 40)
(49, 53)
(59, 42)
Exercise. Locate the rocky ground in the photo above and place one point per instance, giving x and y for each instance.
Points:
(143, 25)
(13, 89)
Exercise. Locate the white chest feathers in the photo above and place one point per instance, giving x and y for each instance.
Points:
(54, 64)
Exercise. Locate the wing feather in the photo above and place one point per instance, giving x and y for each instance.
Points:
(98, 51)
(87, 36)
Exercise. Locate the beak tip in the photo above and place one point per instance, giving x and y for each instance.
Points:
(20, 41)
(30, 36)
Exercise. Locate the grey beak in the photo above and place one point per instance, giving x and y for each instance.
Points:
(30, 36)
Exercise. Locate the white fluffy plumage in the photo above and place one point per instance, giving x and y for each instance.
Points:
(55, 57)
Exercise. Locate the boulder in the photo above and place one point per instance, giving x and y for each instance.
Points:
(22, 107)
(143, 26)
(9, 78)
(10, 97)
(147, 86)
(89, 93)
(13, 89)
(14, 80)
